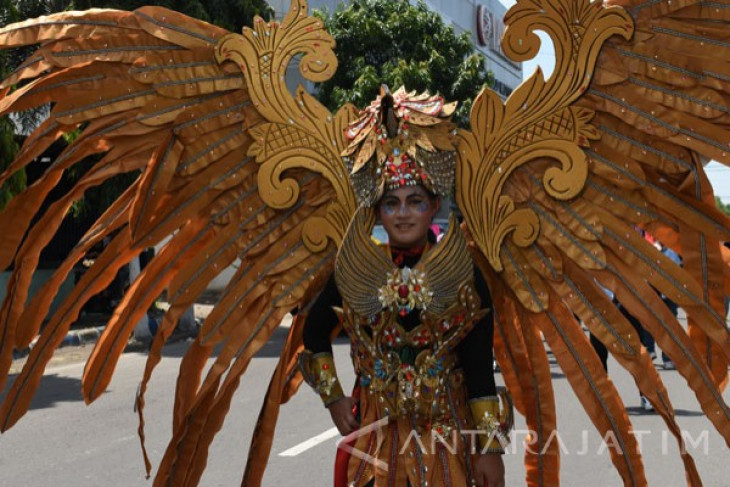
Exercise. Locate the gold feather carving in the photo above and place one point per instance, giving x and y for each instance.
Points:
(301, 132)
(362, 269)
(537, 121)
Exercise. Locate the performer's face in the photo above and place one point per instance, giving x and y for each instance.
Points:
(406, 214)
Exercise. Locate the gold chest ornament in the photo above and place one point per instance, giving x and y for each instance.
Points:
(408, 372)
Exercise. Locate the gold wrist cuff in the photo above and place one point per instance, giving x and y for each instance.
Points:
(493, 421)
(319, 372)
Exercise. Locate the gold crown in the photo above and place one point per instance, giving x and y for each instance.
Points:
(401, 139)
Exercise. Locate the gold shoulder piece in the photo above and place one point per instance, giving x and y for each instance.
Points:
(447, 266)
(362, 268)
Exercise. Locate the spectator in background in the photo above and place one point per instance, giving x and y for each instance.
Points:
(602, 351)
(646, 339)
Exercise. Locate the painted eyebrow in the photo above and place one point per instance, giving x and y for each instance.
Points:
(414, 194)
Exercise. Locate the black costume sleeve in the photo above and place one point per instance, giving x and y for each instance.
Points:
(475, 350)
(322, 320)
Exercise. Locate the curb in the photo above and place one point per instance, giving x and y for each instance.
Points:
(74, 338)
(89, 336)
(82, 337)
(96, 323)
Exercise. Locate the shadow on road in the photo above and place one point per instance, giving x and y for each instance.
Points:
(272, 348)
(638, 411)
(684, 412)
(55, 389)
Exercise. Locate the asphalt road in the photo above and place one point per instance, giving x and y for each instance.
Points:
(60, 442)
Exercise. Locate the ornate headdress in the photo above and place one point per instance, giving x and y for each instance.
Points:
(401, 139)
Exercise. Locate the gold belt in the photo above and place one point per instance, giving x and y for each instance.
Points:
(420, 389)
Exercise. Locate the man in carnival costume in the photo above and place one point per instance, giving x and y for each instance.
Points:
(418, 316)
(233, 168)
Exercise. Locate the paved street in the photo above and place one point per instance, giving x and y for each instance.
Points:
(60, 442)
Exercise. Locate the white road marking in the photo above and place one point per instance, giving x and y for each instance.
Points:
(310, 443)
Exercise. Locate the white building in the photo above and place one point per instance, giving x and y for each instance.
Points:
(483, 19)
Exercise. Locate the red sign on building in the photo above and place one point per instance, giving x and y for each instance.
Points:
(485, 27)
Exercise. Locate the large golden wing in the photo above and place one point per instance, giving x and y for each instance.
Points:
(553, 183)
(231, 167)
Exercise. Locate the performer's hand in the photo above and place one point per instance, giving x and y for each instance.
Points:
(343, 416)
(489, 469)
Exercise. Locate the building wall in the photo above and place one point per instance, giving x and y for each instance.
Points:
(40, 276)
(462, 14)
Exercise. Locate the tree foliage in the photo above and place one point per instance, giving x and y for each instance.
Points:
(394, 42)
(8, 148)
(724, 207)
(8, 145)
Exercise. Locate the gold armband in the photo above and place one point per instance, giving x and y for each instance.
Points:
(493, 423)
(319, 372)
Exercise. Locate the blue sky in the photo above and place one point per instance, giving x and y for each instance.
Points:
(719, 174)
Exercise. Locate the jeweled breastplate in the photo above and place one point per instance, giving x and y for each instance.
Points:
(407, 371)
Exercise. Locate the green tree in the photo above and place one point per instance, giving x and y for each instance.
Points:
(8, 148)
(394, 42)
(8, 144)
(724, 207)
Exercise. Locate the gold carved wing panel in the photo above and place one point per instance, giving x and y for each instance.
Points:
(299, 132)
(536, 122)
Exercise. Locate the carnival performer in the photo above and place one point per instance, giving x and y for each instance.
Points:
(236, 170)
(428, 374)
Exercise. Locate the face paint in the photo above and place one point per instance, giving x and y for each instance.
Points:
(403, 208)
(390, 207)
(423, 206)
(413, 203)
(406, 214)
